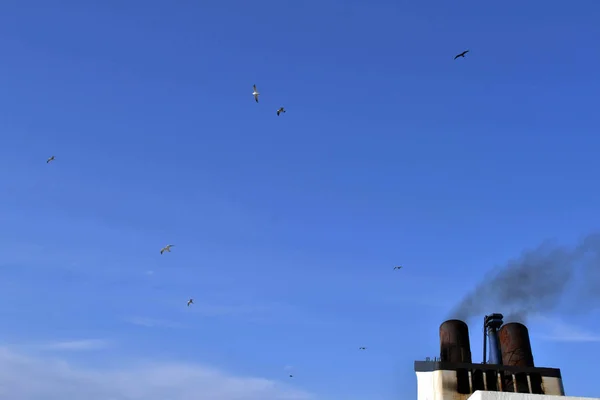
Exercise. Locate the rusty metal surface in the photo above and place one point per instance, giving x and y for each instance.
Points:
(515, 345)
(454, 342)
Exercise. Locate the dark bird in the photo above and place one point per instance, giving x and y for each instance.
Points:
(398, 267)
(48, 161)
(291, 376)
(281, 110)
(362, 348)
(461, 54)
(190, 301)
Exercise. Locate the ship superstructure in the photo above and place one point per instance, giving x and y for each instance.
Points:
(508, 374)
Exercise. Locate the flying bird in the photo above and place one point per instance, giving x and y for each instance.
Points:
(461, 54)
(167, 248)
(190, 301)
(281, 110)
(362, 348)
(291, 376)
(398, 267)
(50, 160)
(255, 94)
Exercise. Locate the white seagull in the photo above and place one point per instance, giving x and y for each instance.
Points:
(167, 248)
(50, 160)
(255, 94)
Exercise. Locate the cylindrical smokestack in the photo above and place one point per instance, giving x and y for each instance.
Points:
(515, 345)
(492, 323)
(454, 342)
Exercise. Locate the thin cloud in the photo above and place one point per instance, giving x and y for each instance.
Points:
(77, 345)
(153, 323)
(59, 379)
(558, 330)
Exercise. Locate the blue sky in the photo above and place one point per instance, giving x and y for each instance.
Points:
(285, 228)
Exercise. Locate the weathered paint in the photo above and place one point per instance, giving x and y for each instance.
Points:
(442, 385)
(454, 342)
(481, 395)
(553, 386)
(438, 385)
(515, 345)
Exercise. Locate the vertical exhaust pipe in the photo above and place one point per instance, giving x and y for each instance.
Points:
(492, 323)
(484, 342)
(455, 346)
(515, 345)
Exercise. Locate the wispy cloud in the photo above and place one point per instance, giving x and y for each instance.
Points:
(59, 379)
(77, 345)
(560, 331)
(153, 323)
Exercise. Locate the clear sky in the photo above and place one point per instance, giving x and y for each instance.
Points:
(286, 229)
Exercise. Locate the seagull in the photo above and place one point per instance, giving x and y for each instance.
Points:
(362, 348)
(255, 93)
(281, 110)
(462, 54)
(190, 301)
(49, 160)
(167, 248)
(399, 267)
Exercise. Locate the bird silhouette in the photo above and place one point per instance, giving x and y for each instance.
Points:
(167, 248)
(50, 160)
(281, 110)
(255, 93)
(190, 301)
(461, 54)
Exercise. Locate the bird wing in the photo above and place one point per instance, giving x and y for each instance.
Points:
(256, 97)
(254, 87)
(456, 56)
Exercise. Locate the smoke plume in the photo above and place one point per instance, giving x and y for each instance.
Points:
(537, 282)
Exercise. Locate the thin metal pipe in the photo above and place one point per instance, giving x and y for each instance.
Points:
(484, 342)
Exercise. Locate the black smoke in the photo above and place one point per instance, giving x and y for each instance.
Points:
(538, 282)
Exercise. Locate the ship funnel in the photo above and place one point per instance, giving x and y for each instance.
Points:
(515, 345)
(455, 346)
